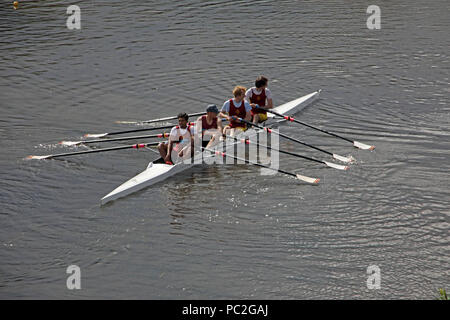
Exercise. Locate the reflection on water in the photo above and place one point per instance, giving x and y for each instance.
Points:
(226, 227)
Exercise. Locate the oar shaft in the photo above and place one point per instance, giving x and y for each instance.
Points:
(305, 124)
(172, 118)
(301, 142)
(130, 131)
(285, 136)
(140, 130)
(224, 154)
(133, 146)
(278, 150)
(159, 135)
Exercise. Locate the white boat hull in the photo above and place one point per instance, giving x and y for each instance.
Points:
(157, 172)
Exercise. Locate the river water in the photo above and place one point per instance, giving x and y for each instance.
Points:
(226, 232)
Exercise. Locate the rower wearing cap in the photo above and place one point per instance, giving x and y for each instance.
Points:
(209, 126)
(179, 140)
(236, 107)
(259, 95)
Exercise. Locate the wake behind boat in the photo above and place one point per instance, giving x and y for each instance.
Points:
(158, 171)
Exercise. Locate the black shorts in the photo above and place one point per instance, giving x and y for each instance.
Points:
(205, 143)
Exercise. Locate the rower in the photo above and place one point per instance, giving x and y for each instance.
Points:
(179, 140)
(236, 107)
(259, 95)
(209, 126)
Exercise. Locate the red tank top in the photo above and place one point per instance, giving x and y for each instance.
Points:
(206, 126)
(238, 112)
(260, 100)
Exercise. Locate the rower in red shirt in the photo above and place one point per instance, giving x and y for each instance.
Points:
(209, 126)
(237, 107)
(259, 95)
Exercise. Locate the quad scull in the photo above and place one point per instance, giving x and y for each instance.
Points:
(158, 171)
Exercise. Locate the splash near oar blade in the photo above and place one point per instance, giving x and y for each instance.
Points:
(95, 135)
(70, 143)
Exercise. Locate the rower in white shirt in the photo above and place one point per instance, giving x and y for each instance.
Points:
(180, 140)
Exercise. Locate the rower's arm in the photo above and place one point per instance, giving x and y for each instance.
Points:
(246, 98)
(198, 125)
(169, 148)
(219, 125)
(269, 104)
(248, 116)
(224, 115)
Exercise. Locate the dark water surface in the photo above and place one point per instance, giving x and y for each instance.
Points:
(226, 232)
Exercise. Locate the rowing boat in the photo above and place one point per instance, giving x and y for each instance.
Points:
(158, 171)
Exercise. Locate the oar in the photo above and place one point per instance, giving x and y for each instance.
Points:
(329, 164)
(133, 146)
(298, 176)
(75, 143)
(100, 135)
(355, 143)
(160, 119)
(334, 155)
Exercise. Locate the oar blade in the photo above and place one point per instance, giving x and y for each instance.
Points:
(94, 135)
(362, 146)
(307, 179)
(37, 157)
(343, 159)
(126, 122)
(336, 166)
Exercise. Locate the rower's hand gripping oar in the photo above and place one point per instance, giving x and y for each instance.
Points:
(133, 146)
(334, 155)
(298, 176)
(356, 144)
